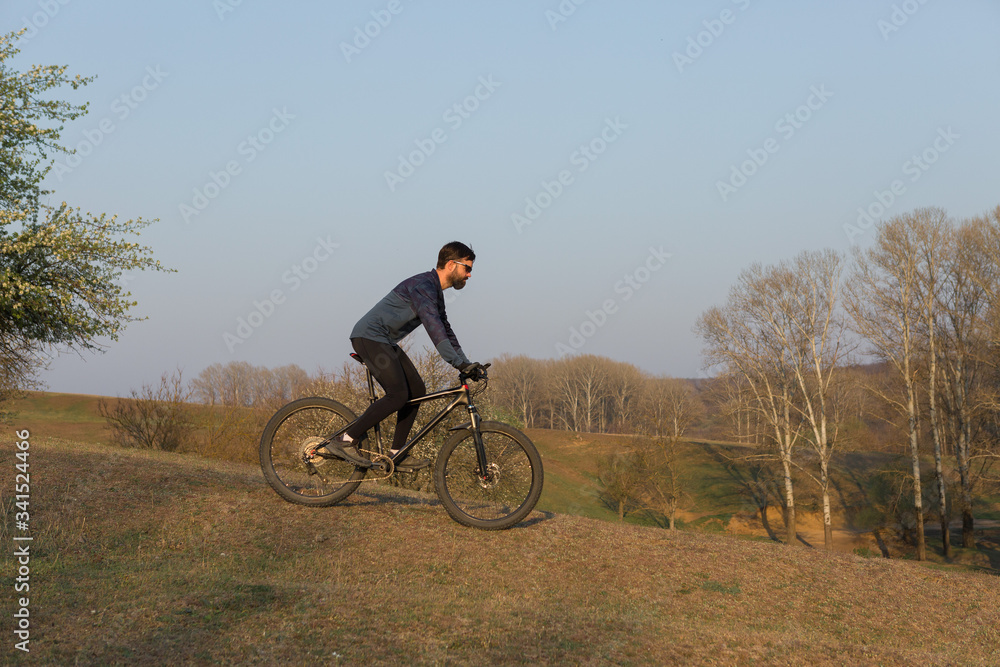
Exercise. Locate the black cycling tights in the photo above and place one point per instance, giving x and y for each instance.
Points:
(401, 382)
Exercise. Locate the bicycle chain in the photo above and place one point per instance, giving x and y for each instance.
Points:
(390, 469)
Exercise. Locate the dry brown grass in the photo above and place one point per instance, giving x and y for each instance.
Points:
(154, 558)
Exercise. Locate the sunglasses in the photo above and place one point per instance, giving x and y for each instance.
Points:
(468, 267)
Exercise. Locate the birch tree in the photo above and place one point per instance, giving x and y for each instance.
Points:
(807, 321)
(740, 340)
(882, 297)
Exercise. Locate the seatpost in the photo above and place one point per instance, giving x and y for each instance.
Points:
(371, 385)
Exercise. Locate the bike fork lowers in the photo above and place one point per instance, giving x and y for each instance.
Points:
(477, 438)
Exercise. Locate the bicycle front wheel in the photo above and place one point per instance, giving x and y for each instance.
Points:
(289, 462)
(503, 494)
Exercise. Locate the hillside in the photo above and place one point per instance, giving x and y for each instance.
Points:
(150, 558)
(717, 487)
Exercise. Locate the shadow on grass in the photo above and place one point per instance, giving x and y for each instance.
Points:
(751, 482)
(994, 557)
(385, 497)
(535, 520)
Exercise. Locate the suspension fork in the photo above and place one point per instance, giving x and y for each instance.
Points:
(477, 439)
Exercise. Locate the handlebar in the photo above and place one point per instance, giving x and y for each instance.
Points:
(475, 372)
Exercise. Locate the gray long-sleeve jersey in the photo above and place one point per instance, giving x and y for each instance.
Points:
(417, 300)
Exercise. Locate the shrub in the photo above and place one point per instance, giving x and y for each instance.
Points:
(152, 418)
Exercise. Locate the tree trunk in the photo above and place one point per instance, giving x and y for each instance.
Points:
(827, 520)
(939, 472)
(968, 523)
(918, 500)
(790, 530)
(936, 434)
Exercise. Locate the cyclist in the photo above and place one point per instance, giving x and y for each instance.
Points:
(417, 300)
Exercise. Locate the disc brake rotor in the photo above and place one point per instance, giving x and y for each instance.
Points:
(492, 477)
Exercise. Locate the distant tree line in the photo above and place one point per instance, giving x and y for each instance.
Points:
(588, 393)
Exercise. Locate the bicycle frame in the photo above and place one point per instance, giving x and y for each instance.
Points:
(462, 397)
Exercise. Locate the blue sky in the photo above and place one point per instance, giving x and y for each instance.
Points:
(615, 165)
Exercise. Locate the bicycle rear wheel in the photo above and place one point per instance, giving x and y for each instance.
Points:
(508, 490)
(292, 468)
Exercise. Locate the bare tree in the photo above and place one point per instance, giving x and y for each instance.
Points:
(883, 299)
(563, 398)
(590, 373)
(742, 340)
(622, 476)
(735, 402)
(514, 383)
(625, 381)
(231, 384)
(668, 408)
(809, 325)
(970, 334)
(207, 387)
(932, 232)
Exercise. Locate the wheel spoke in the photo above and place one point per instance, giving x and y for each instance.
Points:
(500, 497)
(288, 453)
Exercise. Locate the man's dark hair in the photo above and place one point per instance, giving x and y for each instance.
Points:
(454, 250)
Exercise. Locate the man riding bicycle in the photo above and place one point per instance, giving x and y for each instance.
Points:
(417, 300)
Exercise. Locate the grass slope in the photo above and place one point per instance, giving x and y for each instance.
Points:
(67, 416)
(153, 558)
(718, 500)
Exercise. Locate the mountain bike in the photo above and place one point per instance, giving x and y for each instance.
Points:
(487, 474)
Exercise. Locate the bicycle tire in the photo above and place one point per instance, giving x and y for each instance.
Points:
(512, 488)
(287, 436)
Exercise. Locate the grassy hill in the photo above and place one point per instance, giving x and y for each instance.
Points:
(67, 416)
(718, 502)
(155, 558)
